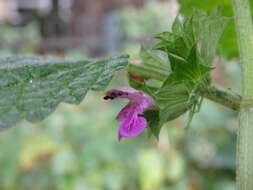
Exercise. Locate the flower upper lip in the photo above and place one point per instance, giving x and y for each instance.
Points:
(114, 95)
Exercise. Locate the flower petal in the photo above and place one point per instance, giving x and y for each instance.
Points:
(131, 123)
(124, 113)
(133, 95)
(132, 127)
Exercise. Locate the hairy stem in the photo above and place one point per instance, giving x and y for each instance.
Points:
(244, 165)
(225, 98)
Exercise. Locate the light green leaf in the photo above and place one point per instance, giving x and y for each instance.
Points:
(171, 93)
(150, 90)
(228, 43)
(173, 110)
(32, 87)
(188, 34)
(208, 30)
(151, 59)
(167, 36)
(171, 44)
(177, 27)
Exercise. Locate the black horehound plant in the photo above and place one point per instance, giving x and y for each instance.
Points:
(32, 87)
(184, 78)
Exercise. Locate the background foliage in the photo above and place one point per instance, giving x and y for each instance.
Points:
(228, 46)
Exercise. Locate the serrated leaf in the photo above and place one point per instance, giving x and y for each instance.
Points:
(32, 87)
(227, 45)
(181, 69)
(202, 29)
(200, 69)
(208, 30)
(190, 69)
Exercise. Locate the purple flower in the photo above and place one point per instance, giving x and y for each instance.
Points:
(132, 123)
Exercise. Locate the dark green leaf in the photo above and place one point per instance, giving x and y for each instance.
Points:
(190, 69)
(200, 69)
(152, 117)
(32, 87)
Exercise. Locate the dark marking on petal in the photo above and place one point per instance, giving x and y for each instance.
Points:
(108, 97)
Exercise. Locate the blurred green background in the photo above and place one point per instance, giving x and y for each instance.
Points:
(76, 148)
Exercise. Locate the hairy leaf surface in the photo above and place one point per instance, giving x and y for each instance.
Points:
(32, 87)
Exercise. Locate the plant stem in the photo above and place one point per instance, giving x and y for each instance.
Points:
(229, 100)
(244, 165)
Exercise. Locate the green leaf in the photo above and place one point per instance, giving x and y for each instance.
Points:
(228, 43)
(188, 34)
(208, 30)
(201, 70)
(152, 117)
(177, 27)
(147, 72)
(32, 87)
(172, 44)
(142, 86)
(171, 80)
(171, 93)
(151, 59)
(167, 36)
(173, 110)
(190, 69)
